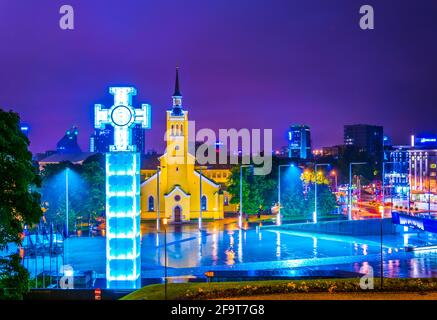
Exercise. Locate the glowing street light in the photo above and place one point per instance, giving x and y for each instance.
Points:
(334, 174)
(240, 218)
(66, 202)
(158, 209)
(200, 198)
(349, 204)
(165, 221)
(315, 188)
(279, 219)
(383, 187)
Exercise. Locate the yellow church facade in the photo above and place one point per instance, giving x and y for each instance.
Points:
(178, 189)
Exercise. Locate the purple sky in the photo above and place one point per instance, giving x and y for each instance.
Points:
(244, 64)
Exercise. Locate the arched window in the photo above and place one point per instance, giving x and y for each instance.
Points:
(204, 202)
(151, 204)
(172, 130)
(177, 129)
(182, 130)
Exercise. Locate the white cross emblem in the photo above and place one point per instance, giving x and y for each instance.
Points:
(122, 116)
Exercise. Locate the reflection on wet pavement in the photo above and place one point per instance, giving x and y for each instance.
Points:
(223, 247)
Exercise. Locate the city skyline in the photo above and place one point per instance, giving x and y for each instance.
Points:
(264, 69)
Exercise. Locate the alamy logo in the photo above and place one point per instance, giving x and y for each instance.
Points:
(366, 281)
(367, 21)
(249, 146)
(67, 281)
(67, 20)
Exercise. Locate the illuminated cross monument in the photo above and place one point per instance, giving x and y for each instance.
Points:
(123, 242)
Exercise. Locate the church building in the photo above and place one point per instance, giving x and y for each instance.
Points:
(182, 190)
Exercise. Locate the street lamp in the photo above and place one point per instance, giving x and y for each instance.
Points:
(158, 216)
(349, 204)
(240, 218)
(383, 188)
(381, 210)
(278, 220)
(200, 198)
(65, 244)
(66, 201)
(333, 173)
(315, 188)
(164, 221)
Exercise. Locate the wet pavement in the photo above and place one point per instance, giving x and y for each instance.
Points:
(258, 252)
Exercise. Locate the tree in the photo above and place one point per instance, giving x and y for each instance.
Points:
(292, 200)
(258, 191)
(326, 200)
(86, 190)
(298, 196)
(93, 173)
(19, 202)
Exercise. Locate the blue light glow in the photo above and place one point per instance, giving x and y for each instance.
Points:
(123, 234)
(123, 264)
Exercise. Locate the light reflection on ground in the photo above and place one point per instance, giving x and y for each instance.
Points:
(223, 247)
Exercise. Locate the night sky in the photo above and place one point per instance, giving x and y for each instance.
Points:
(243, 64)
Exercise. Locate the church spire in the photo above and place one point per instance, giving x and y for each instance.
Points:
(177, 92)
(177, 97)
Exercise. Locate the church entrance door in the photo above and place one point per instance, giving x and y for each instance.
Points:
(177, 214)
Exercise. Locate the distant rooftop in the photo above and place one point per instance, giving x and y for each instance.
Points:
(72, 157)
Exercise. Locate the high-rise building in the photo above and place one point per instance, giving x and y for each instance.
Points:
(299, 142)
(103, 138)
(366, 138)
(68, 143)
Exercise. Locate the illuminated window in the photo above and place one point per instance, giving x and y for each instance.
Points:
(226, 200)
(151, 204)
(204, 202)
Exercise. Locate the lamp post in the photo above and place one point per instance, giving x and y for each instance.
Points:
(349, 204)
(240, 218)
(158, 215)
(333, 173)
(315, 188)
(383, 187)
(381, 209)
(66, 202)
(164, 221)
(429, 192)
(66, 218)
(278, 220)
(200, 198)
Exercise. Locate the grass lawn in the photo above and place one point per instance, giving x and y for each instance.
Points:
(281, 288)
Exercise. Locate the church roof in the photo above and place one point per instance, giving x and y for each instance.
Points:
(177, 91)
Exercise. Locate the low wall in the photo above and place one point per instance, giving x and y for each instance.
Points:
(343, 227)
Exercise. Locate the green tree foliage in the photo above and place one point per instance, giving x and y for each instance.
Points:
(258, 191)
(86, 194)
(298, 197)
(14, 278)
(326, 201)
(19, 202)
(293, 201)
(297, 192)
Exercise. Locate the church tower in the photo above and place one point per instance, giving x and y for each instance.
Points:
(177, 129)
(179, 182)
